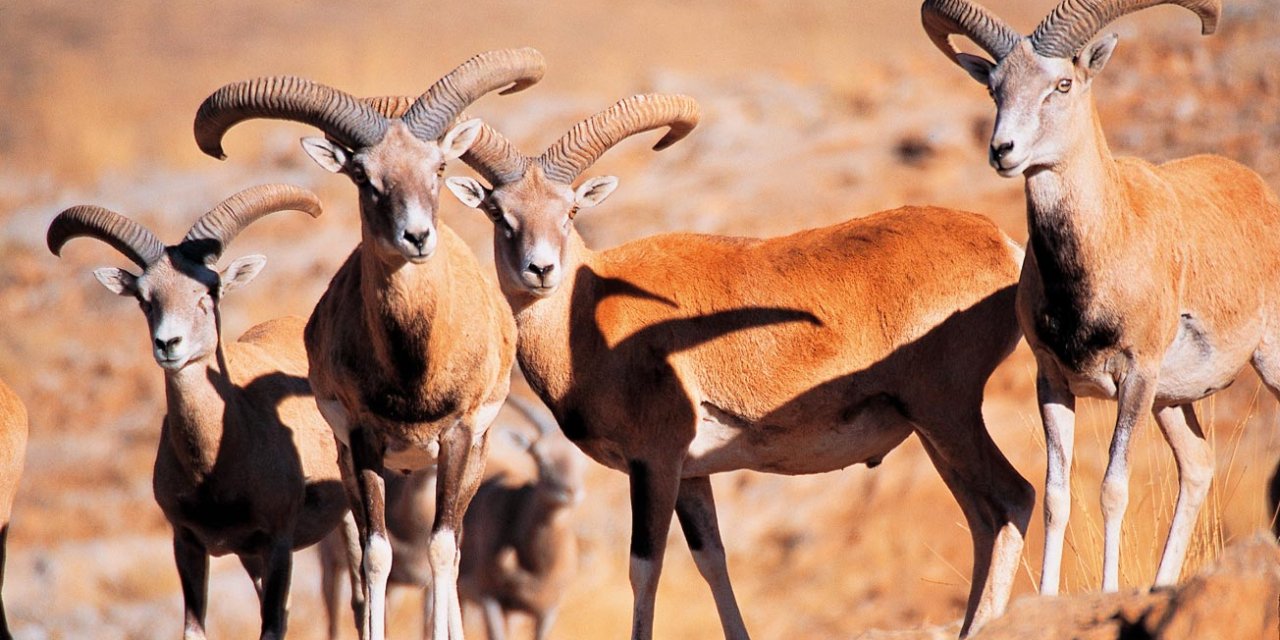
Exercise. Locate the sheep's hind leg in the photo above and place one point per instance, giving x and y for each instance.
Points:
(696, 510)
(996, 500)
(1195, 471)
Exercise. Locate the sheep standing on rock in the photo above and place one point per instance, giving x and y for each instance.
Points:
(245, 463)
(13, 449)
(410, 351)
(1151, 285)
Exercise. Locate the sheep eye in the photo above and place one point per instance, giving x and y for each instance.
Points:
(1064, 85)
(358, 174)
(440, 169)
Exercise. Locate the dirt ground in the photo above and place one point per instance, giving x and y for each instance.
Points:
(814, 111)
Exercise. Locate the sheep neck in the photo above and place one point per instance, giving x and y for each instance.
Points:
(403, 302)
(544, 323)
(200, 400)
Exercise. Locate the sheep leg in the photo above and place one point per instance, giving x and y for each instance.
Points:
(654, 486)
(367, 451)
(276, 574)
(996, 500)
(4, 545)
(495, 622)
(1058, 415)
(352, 530)
(1182, 431)
(193, 572)
(253, 566)
(1266, 361)
(696, 510)
(461, 465)
(1136, 396)
(543, 622)
(331, 549)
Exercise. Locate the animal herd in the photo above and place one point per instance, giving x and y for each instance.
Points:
(366, 428)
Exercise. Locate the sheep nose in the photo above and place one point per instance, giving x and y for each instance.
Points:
(417, 239)
(541, 271)
(167, 345)
(999, 151)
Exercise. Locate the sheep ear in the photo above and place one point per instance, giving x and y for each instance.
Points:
(240, 272)
(460, 138)
(117, 281)
(1095, 56)
(594, 191)
(468, 190)
(330, 155)
(979, 68)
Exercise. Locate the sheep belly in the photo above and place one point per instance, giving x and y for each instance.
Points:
(725, 442)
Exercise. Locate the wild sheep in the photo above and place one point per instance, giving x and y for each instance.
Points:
(410, 355)
(245, 463)
(1153, 285)
(13, 448)
(677, 356)
(519, 551)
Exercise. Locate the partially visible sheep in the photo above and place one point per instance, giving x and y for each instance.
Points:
(246, 464)
(519, 551)
(13, 448)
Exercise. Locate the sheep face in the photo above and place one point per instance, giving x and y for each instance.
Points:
(533, 217)
(398, 179)
(1042, 104)
(560, 471)
(179, 298)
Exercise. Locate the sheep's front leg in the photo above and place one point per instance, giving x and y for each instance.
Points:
(1136, 396)
(461, 464)
(367, 450)
(274, 595)
(1058, 415)
(193, 571)
(654, 485)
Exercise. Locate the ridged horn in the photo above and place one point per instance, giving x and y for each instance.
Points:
(495, 158)
(945, 18)
(582, 145)
(1070, 26)
(434, 111)
(135, 241)
(491, 155)
(538, 416)
(341, 116)
(211, 234)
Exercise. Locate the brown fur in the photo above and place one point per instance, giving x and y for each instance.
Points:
(1153, 285)
(13, 448)
(519, 552)
(677, 356)
(410, 362)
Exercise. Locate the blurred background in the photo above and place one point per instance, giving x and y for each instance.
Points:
(815, 111)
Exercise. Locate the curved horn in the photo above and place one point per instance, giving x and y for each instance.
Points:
(491, 155)
(434, 111)
(1070, 26)
(945, 18)
(582, 145)
(339, 115)
(537, 416)
(135, 241)
(211, 234)
(495, 158)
